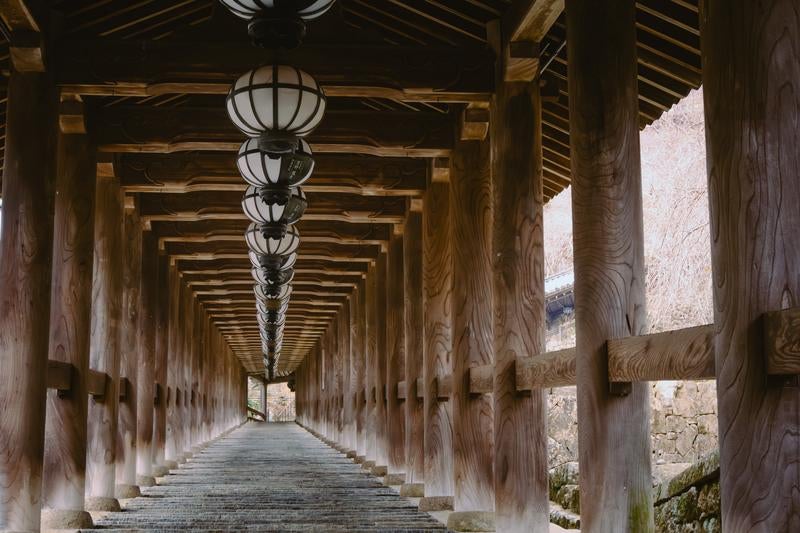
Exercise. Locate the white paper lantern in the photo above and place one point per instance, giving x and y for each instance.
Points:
(261, 169)
(305, 9)
(269, 247)
(285, 262)
(279, 292)
(265, 277)
(276, 101)
(270, 205)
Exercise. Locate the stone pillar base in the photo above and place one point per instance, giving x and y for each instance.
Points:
(146, 481)
(102, 504)
(367, 465)
(431, 504)
(394, 480)
(170, 464)
(66, 519)
(471, 521)
(359, 459)
(412, 490)
(351, 454)
(379, 471)
(124, 492)
(161, 471)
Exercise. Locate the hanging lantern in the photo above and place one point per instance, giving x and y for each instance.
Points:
(262, 169)
(268, 247)
(305, 9)
(274, 207)
(262, 308)
(266, 293)
(278, 23)
(271, 319)
(278, 104)
(272, 278)
(272, 263)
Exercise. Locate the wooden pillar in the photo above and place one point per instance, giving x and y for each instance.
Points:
(196, 349)
(751, 73)
(27, 247)
(70, 331)
(370, 324)
(437, 332)
(104, 351)
(346, 403)
(173, 446)
(395, 359)
(146, 370)
(613, 426)
(520, 436)
(129, 349)
(470, 231)
(381, 348)
(414, 340)
(187, 333)
(358, 339)
(162, 357)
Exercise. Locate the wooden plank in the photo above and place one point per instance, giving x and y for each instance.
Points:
(782, 341)
(146, 68)
(551, 369)
(402, 390)
(751, 111)
(380, 360)
(59, 375)
(97, 383)
(437, 272)
(614, 440)
(153, 129)
(26, 249)
(675, 355)
(470, 233)
(358, 340)
(146, 365)
(530, 20)
(481, 379)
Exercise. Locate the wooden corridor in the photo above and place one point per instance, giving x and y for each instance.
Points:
(270, 477)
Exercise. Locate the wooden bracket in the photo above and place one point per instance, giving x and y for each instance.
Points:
(481, 379)
(59, 376)
(71, 116)
(473, 124)
(440, 170)
(27, 51)
(782, 342)
(521, 61)
(97, 384)
(124, 386)
(402, 390)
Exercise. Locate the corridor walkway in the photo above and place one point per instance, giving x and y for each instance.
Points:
(270, 477)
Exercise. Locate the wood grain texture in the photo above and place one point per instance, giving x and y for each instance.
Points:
(26, 246)
(59, 375)
(414, 347)
(173, 443)
(371, 323)
(682, 354)
(481, 379)
(129, 339)
(614, 434)
(347, 406)
(470, 233)
(146, 367)
(782, 341)
(162, 311)
(520, 474)
(551, 369)
(437, 284)
(358, 341)
(70, 323)
(381, 360)
(104, 351)
(752, 102)
(395, 356)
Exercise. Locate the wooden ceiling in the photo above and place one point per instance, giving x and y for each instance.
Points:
(153, 75)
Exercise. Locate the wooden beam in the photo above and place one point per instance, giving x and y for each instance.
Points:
(97, 384)
(481, 379)
(59, 375)
(148, 68)
(26, 48)
(216, 171)
(153, 129)
(198, 206)
(530, 20)
(552, 369)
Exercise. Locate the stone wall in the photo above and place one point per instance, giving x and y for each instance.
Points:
(689, 502)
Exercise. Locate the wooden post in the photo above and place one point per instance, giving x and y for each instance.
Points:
(146, 371)
(70, 330)
(413, 349)
(520, 436)
(347, 405)
(126, 430)
(358, 340)
(173, 449)
(751, 72)
(163, 396)
(185, 417)
(104, 351)
(381, 346)
(370, 324)
(613, 427)
(26, 249)
(437, 284)
(470, 231)
(395, 360)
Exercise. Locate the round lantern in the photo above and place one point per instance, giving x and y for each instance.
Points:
(274, 207)
(264, 245)
(271, 319)
(263, 309)
(278, 23)
(272, 263)
(272, 278)
(278, 104)
(262, 169)
(278, 292)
